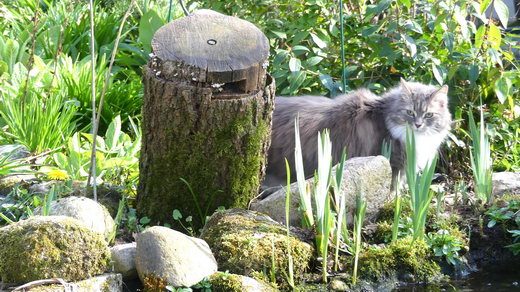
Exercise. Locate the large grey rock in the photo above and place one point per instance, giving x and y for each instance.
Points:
(506, 183)
(123, 258)
(172, 257)
(104, 283)
(372, 176)
(91, 213)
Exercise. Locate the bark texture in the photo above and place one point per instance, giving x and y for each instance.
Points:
(215, 136)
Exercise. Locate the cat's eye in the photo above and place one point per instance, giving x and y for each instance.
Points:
(410, 113)
(428, 115)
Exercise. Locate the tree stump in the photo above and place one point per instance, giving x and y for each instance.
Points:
(206, 117)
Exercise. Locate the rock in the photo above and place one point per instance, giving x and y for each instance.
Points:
(225, 282)
(274, 205)
(165, 256)
(371, 175)
(104, 282)
(338, 285)
(19, 175)
(506, 183)
(8, 182)
(44, 247)
(243, 243)
(14, 151)
(123, 258)
(94, 215)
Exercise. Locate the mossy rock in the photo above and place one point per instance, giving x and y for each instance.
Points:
(245, 242)
(407, 259)
(44, 247)
(225, 282)
(112, 282)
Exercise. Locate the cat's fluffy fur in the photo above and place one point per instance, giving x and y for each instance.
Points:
(359, 121)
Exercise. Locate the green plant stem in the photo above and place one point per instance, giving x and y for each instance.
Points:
(397, 211)
(358, 226)
(290, 263)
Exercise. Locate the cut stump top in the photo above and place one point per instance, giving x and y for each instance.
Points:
(214, 43)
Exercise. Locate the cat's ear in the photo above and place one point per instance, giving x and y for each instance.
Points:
(406, 87)
(441, 95)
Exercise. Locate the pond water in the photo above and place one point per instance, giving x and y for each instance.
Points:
(504, 278)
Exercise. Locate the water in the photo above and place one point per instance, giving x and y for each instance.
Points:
(503, 278)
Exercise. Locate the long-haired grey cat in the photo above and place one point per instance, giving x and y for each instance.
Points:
(359, 121)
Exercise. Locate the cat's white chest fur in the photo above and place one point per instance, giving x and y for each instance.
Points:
(426, 144)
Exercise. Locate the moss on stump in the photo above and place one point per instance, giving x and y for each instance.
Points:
(51, 247)
(207, 113)
(245, 242)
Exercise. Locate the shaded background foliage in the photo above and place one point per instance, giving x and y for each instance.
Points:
(437, 42)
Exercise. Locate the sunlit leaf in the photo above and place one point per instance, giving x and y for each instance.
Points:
(313, 60)
(149, 24)
(484, 4)
(502, 88)
(410, 43)
(494, 36)
(295, 64)
(502, 11)
(479, 36)
(319, 42)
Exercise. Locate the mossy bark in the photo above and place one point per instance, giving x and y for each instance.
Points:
(218, 145)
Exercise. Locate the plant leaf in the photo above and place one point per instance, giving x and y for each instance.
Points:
(502, 12)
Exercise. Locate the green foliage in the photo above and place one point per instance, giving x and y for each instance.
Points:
(445, 245)
(11, 166)
(397, 210)
(505, 213)
(419, 186)
(290, 261)
(117, 155)
(481, 160)
(439, 42)
(361, 206)
(317, 212)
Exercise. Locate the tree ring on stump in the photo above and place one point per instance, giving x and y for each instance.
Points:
(218, 49)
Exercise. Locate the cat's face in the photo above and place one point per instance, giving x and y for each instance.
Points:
(423, 107)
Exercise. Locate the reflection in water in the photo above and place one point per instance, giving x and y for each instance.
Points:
(505, 278)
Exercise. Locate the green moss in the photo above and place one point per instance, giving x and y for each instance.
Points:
(383, 233)
(152, 283)
(51, 247)
(404, 256)
(245, 242)
(225, 282)
(222, 163)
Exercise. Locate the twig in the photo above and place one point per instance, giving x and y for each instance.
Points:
(92, 172)
(186, 12)
(93, 84)
(30, 285)
(27, 159)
